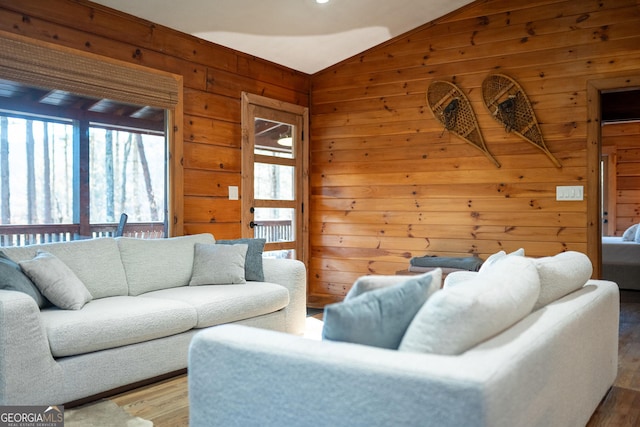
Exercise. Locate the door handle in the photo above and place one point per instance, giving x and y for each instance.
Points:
(252, 224)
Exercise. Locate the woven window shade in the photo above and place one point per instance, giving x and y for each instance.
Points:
(51, 68)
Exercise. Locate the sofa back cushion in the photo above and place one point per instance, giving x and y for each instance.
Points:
(12, 278)
(561, 274)
(96, 262)
(459, 317)
(154, 264)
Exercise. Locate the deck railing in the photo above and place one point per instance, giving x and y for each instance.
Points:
(22, 235)
(274, 230)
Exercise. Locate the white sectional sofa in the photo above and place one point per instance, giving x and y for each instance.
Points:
(550, 368)
(141, 315)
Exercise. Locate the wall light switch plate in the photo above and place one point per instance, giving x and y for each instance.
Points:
(233, 192)
(569, 192)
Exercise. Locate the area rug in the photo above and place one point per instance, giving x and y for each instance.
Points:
(104, 413)
(313, 328)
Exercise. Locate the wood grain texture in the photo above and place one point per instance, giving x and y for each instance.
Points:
(388, 184)
(213, 76)
(379, 160)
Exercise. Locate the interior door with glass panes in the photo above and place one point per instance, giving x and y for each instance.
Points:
(273, 176)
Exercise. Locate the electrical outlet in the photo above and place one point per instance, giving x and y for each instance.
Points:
(569, 192)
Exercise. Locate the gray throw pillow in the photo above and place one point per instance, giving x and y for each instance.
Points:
(56, 281)
(13, 279)
(380, 317)
(253, 269)
(218, 264)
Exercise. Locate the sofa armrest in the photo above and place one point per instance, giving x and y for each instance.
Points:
(291, 274)
(29, 375)
(552, 367)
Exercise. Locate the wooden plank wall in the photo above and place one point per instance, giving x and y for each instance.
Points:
(388, 184)
(624, 138)
(214, 78)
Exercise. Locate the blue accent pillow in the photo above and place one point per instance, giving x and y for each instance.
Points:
(12, 278)
(253, 269)
(380, 317)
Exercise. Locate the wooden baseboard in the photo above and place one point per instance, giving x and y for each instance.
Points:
(319, 301)
(123, 389)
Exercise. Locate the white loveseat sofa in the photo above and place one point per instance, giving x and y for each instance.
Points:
(550, 368)
(140, 318)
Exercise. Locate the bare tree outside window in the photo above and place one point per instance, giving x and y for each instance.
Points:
(5, 192)
(39, 164)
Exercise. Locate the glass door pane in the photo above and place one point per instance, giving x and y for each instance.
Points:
(274, 185)
(276, 225)
(274, 182)
(275, 171)
(273, 139)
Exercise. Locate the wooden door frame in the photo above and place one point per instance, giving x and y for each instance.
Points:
(594, 147)
(612, 188)
(249, 99)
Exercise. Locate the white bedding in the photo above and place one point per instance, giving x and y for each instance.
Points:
(621, 262)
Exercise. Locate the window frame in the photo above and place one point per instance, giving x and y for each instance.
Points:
(43, 64)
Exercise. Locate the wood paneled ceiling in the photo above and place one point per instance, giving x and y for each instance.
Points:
(62, 104)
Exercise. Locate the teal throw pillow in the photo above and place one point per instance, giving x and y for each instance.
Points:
(12, 278)
(253, 269)
(380, 317)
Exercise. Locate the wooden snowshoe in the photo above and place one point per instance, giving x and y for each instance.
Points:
(508, 104)
(452, 108)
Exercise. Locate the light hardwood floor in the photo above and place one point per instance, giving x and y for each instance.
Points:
(166, 403)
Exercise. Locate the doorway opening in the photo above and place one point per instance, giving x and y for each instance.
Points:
(595, 90)
(275, 176)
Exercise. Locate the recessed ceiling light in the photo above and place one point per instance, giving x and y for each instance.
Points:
(322, 1)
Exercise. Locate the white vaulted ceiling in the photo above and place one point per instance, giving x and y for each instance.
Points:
(298, 34)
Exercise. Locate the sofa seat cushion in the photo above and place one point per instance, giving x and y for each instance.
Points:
(217, 304)
(113, 322)
(154, 264)
(96, 262)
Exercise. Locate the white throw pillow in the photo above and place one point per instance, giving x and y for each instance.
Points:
(630, 234)
(218, 264)
(457, 277)
(57, 282)
(499, 255)
(457, 318)
(561, 274)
